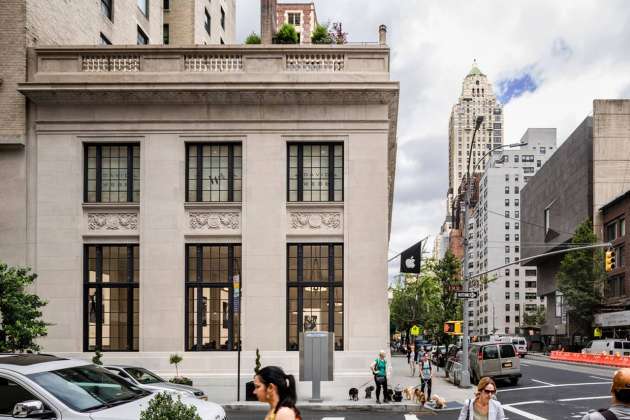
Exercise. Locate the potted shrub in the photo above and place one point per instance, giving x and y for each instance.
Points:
(163, 407)
(321, 35)
(249, 386)
(176, 359)
(253, 38)
(286, 35)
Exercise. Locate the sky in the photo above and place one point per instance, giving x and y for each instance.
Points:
(547, 59)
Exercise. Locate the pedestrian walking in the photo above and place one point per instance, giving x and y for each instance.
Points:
(379, 370)
(426, 371)
(410, 360)
(483, 406)
(620, 407)
(273, 386)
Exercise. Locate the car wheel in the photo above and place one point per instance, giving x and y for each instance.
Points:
(514, 381)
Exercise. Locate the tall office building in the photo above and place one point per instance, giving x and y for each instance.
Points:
(199, 22)
(477, 99)
(494, 238)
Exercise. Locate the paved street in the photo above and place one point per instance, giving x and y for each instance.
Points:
(547, 391)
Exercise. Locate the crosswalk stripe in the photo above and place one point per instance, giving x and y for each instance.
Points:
(411, 417)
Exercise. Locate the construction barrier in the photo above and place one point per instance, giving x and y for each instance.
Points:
(615, 360)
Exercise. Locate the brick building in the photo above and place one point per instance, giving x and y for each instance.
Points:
(300, 15)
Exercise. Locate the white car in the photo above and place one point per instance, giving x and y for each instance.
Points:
(148, 380)
(48, 387)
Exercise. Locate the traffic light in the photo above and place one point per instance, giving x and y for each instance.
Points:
(609, 260)
(453, 327)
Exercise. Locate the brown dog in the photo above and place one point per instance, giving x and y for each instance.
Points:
(419, 397)
(408, 393)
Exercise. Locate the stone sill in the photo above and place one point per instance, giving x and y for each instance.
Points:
(111, 206)
(213, 205)
(315, 205)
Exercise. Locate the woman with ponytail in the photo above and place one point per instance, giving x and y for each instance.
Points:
(273, 386)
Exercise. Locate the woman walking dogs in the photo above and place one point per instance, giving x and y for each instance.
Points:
(278, 390)
(483, 407)
(379, 370)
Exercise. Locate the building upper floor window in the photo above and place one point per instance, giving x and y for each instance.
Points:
(530, 273)
(542, 150)
(528, 169)
(516, 202)
(104, 40)
(615, 286)
(207, 21)
(615, 229)
(507, 189)
(111, 173)
(167, 5)
(143, 39)
(516, 189)
(107, 7)
(143, 5)
(315, 172)
(516, 158)
(222, 18)
(166, 33)
(516, 237)
(294, 19)
(530, 284)
(527, 158)
(213, 172)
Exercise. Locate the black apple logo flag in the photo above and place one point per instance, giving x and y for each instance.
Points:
(410, 259)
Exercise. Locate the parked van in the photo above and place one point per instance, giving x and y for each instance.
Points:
(609, 346)
(520, 344)
(496, 360)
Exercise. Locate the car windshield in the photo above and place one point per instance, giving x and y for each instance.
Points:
(143, 376)
(88, 388)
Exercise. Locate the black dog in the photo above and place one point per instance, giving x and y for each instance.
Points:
(390, 394)
(353, 394)
(368, 392)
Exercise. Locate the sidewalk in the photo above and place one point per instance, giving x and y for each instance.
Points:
(335, 394)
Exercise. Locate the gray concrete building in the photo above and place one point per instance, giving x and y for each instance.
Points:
(494, 237)
(586, 172)
(155, 182)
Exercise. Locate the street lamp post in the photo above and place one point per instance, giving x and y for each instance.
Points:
(465, 379)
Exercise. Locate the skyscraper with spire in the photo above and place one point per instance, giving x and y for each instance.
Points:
(477, 99)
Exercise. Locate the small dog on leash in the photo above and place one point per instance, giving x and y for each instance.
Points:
(408, 393)
(438, 401)
(368, 392)
(419, 397)
(354, 394)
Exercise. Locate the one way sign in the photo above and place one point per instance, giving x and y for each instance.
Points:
(467, 295)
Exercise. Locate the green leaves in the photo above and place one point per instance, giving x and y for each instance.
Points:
(253, 38)
(581, 277)
(320, 35)
(22, 321)
(286, 35)
(164, 407)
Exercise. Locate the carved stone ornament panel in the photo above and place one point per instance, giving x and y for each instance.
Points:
(210, 220)
(299, 220)
(112, 221)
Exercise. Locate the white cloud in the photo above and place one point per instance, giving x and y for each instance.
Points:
(576, 51)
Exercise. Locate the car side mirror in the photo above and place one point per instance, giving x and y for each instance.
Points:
(26, 409)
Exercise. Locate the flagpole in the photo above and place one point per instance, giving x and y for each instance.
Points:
(397, 255)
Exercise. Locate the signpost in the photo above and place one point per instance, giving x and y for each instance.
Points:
(415, 330)
(467, 295)
(236, 281)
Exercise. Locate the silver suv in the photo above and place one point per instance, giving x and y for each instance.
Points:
(48, 387)
(496, 360)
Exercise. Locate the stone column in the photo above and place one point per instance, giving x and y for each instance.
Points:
(267, 20)
(382, 34)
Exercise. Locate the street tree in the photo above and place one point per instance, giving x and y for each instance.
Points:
(20, 311)
(534, 319)
(448, 274)
(581, 278)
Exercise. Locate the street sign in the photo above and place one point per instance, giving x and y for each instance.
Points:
(467, 295)
(415, 330)
(597, 332)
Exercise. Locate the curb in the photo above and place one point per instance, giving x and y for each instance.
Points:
(336, 406)
(564, 362)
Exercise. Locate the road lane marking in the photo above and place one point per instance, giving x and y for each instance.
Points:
(522, 413)
(524, 403)
(584, 398)
(541, 382)
(552, 386)
(525, 364)
(597, 377)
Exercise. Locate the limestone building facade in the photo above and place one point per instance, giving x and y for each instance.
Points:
(161, 180)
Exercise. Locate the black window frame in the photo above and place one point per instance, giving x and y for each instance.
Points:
(166, 33)
(222, 18)
(107, 9)
(330, 283)
(199, 171)
(145, 12)
(142, 36)
(199, 284)
(99, 171)
(300, 171)
(166, 5)
(207, 24)
(105, 40)
(130, 285)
